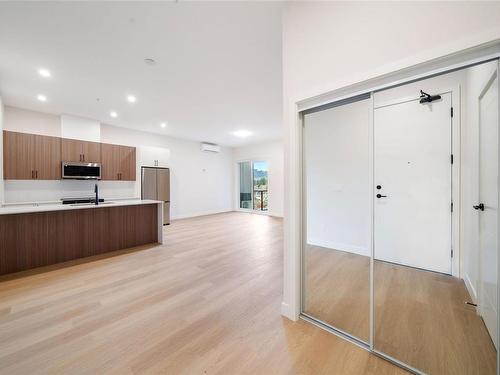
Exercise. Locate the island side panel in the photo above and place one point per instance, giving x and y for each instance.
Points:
(160, 222)
(33, 240)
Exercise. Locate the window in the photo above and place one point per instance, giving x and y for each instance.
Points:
(254, 182)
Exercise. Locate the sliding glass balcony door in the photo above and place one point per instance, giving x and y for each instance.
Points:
(254, 182)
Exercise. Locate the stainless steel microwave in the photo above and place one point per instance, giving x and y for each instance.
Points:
(81, 171)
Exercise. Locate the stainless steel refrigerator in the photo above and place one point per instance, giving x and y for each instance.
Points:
(155, 184)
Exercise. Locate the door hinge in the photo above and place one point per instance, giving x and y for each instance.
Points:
(451, 111)
(451, 206)
(452, 253)
(451, 158)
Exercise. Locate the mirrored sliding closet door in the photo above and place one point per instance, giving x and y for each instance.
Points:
(428, 286)
(400, 221)
(336, 256)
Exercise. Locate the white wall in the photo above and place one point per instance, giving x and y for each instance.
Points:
(330, 45)
(201, 182)
(75, 127)
(337, 184)
(26, 121)
(271, 152)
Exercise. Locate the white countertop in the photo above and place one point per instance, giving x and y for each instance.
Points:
(44, 207)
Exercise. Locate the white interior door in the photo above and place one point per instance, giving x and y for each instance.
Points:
(412, 167)
(488, 207)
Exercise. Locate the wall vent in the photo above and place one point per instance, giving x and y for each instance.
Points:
(210, 147)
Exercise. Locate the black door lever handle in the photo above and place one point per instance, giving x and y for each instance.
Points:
(480, 206)
(381, 196)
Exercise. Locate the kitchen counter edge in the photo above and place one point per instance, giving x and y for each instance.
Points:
(33, 208)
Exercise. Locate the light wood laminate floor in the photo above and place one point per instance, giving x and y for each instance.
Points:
(420, 317)
(205, 302)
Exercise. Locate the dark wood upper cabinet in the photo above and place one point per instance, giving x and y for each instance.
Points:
(127, 163)
(71, 150)
(84, 151)
(92, 152)
(18, 156)
(47, 158)
(30, 156)
(118, 162)
(110, 155)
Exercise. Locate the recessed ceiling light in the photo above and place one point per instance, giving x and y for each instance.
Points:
(113, 114)
(44, 72)
(41, 98)
(242, 133)
(131, 99)
(163, 125)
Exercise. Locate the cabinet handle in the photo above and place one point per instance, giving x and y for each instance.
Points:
(36, 174)
(83, 157)
(32, 174)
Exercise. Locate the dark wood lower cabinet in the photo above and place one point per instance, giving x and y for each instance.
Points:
(39, 239)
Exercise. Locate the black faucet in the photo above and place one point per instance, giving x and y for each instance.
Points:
(96, 190)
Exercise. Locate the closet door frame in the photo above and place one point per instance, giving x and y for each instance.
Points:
(456, 198)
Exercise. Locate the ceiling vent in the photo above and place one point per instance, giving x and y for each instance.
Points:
(210, 147)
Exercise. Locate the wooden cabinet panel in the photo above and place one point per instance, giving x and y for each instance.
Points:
(29, 156)
(47, 158)
(83, 151)
(91, 152)
(110, 156)
(118, 162)
(40, 239)
(71, 150)
(25, 242)
(127, 163)
(18, 156)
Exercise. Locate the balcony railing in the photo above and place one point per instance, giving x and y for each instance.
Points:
(260, 199)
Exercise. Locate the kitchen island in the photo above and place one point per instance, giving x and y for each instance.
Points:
(38, 235)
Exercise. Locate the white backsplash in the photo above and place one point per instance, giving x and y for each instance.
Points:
(23, 191)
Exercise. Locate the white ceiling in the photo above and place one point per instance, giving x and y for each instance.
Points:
(218, 65)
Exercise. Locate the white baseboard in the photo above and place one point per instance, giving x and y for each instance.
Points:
(360, 250)
(287, 312)
(470, 288)
(257, 212)
(204, 213)
(274, 214)
(201, 213)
